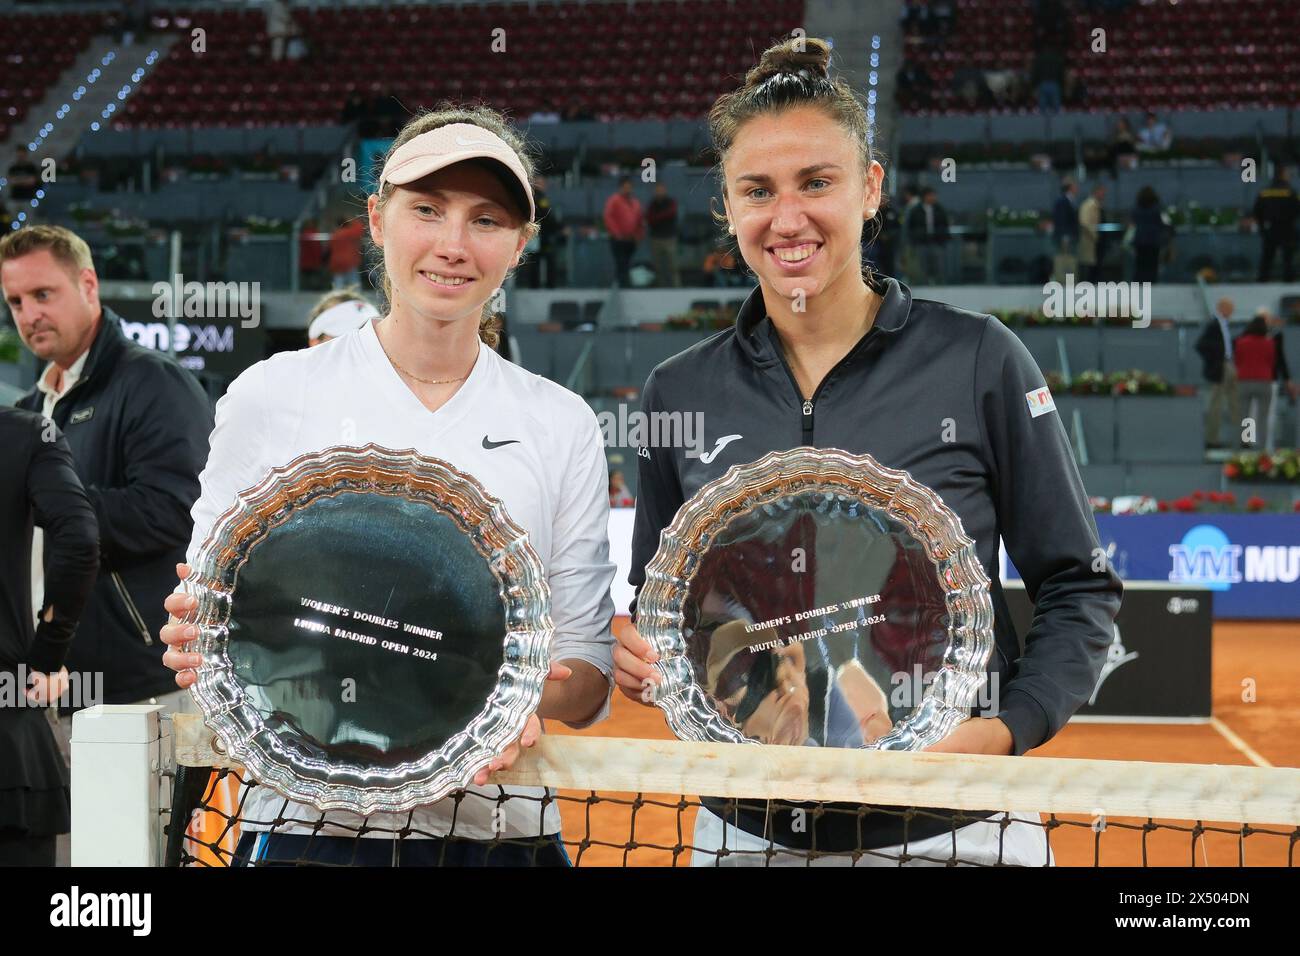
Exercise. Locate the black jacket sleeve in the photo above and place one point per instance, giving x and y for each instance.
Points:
(1209, 345)
(62, 509)
(658, 496)
(165, 428)
(1051, 536)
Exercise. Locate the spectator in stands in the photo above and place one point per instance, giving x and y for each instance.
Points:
(1048, 77)
(24, 178)
(880, 238)
(1155, 136)
(721, 266)
(915, 88)
(1255, 356)
(38, 487)
(345, 252)
(908, 259)
(312, 247)
(625, 223)
(354, 108)
(1150, 230)
(137, 424)
(1276, 211)
(1065, 219)
(1123, 144)
(619, 496)
(1090, 217)
(540, 269)
(1285, 391)
(662, 219)
(927, 232)
(1005, 87)
(134, 21)
(337, 313)
(1215, 348)
(972, 88)
(279, 26)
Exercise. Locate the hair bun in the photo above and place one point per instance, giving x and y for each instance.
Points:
(808, 55)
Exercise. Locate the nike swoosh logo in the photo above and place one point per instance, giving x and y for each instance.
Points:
(723, 442)
(473, 142)
(497, 444)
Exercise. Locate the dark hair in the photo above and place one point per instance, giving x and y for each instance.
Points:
(792, 73)
(489, 327)
(1257, 326)
(1147, 197)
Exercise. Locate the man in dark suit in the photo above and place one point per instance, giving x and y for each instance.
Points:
(927, 231)
(137, 424)
(1215, 348)
(1276, 210)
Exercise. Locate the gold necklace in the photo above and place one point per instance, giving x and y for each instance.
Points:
(426, 381)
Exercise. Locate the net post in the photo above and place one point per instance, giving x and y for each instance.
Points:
(118, 755)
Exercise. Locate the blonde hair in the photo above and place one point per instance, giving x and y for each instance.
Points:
(64, 245)
(335, 297)
(484, 117)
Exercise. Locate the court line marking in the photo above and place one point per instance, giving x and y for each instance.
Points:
(1230, 735)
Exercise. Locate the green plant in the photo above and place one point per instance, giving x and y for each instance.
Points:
(1281, 465)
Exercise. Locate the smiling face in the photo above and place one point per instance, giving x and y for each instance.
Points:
(53, 306)
(448, 240)
(797, 196)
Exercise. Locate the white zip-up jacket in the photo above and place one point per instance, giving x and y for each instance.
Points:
(532, 443)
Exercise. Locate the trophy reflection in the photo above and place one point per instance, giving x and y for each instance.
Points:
(773, 696)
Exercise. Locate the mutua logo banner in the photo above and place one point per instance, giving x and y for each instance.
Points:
(1251, 563)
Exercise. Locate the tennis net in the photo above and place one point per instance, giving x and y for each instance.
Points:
(624, 802)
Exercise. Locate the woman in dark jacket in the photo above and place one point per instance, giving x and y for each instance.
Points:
(825, 356)
(1148, 235)
(37, 486)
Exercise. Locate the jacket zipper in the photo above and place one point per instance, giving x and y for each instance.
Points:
(131, 608)
(806, 412)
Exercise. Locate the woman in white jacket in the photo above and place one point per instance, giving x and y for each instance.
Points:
(452, 214)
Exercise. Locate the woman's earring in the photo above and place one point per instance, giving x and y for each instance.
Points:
(731, 229)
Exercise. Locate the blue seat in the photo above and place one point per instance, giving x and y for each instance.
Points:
(1160, 429)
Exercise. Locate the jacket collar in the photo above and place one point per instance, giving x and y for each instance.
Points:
(100, 358)
(107, 348)
(754, 328)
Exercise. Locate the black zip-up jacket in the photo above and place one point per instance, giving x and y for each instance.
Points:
(924, 372)
(38, 486)
(138, 427)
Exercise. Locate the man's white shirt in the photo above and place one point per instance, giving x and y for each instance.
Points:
(552, 478)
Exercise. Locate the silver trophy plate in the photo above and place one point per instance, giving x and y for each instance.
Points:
(374, 629)
(815, 597)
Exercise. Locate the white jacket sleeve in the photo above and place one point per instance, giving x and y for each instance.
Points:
(234, 453)
(580, 571)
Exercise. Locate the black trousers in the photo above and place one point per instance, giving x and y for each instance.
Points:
(19, 849)
(1271, 246)
(1146, 266)
(623, 250)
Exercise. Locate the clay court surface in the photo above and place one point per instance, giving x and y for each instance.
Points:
(1264, 732)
